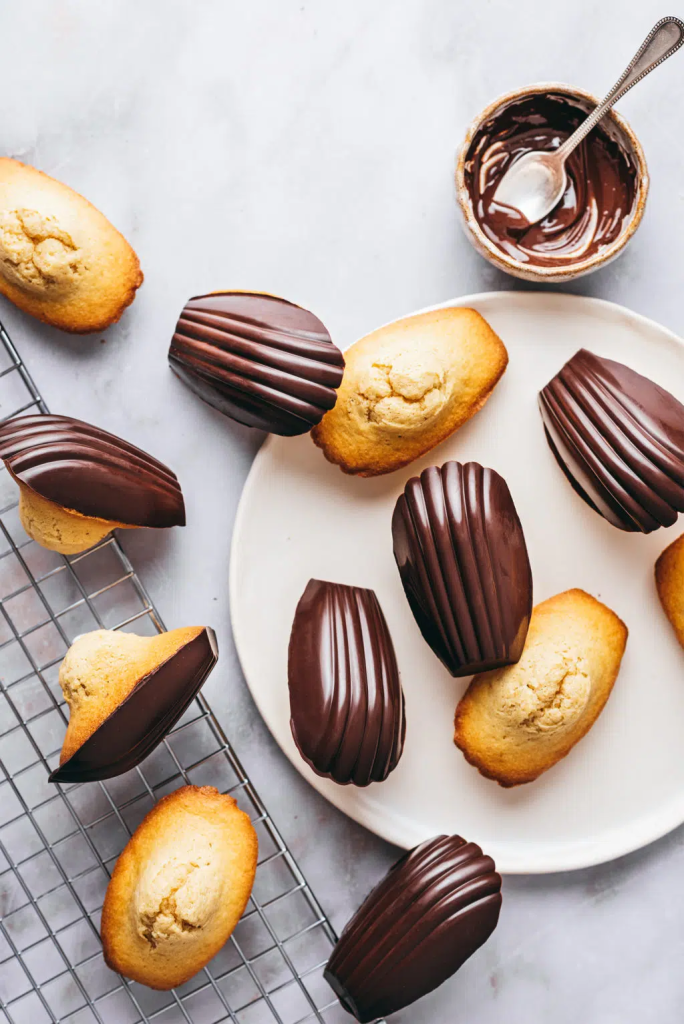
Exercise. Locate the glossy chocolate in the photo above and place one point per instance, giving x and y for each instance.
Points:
(144, 718)
(87, 470)
(259, 359)
(599, 198)
(619, 439)
(346, 701)
(461, 554)
(432, 911)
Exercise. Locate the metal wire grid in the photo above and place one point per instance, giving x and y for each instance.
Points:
(59, 843)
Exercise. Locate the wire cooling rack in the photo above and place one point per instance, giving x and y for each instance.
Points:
(58, 844)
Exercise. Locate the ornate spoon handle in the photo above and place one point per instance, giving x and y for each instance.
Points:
(663, 40)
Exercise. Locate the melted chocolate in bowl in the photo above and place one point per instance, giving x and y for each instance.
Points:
(600, 196)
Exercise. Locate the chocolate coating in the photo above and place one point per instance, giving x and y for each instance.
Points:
(601, 182)
(88, 470)
(346, 701)
(461, 554)
(259, 359)
(432, 911)
(143, 719)
(619, 439)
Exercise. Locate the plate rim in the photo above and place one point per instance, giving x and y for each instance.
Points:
(569, 855)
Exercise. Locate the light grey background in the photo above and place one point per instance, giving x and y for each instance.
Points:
(306, 148)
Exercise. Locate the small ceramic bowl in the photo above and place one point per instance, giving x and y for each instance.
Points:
(616, 126)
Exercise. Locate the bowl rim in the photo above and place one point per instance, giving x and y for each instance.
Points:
(562, 271)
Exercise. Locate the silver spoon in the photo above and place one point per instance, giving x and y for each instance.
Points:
(535, 182)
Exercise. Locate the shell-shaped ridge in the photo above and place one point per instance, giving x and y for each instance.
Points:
(461, 554)
(433, 910)
(346, 701)
(88, 470)
(619, 439)
(259, 359)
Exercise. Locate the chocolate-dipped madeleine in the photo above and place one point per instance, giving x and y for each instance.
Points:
(77, 482)
(125, 692)
(346, 701)
(461, 554)
(259, 359)
(432, 911)
(619, 439)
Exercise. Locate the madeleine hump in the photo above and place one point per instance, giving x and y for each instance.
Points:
(430, 913)
(60, 258)
(346, 702)
(669, 579)
(125, 692)
(463, 562)
(259, 359)
(179, 888)
(516, 722)
(619, 439)
(407, 387)
(77, 482)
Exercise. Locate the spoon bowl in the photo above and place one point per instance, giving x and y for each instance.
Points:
(532, 187)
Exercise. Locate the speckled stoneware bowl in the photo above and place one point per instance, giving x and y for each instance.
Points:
(616, 127)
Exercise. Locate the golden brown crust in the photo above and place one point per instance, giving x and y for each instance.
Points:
(514, 723)
(61, 529)
(102, 668)
(179, 887)
(407, 387)
(60, 258)
(669, 577)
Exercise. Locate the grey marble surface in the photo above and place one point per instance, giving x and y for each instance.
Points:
(306, 147)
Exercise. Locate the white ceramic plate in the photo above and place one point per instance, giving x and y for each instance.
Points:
(623, 785)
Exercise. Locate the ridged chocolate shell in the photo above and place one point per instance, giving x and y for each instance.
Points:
(88, 470)
(143, 719)
(346, 701)
(432, 911)
(461, 554)
(619, 439)
(259, 359)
